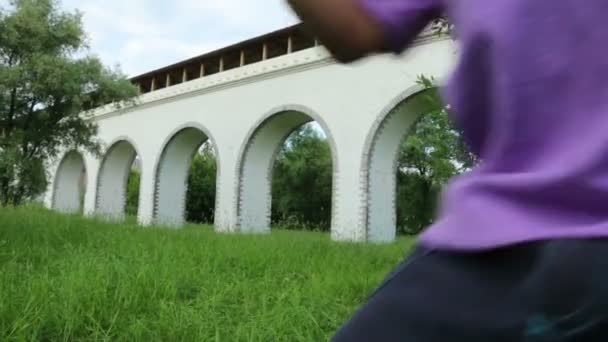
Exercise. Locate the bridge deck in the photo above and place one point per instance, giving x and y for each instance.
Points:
(261, 48)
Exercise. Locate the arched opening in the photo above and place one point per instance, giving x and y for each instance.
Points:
(133, 188)
(413, 153)
(113, 179)
(200, 196)
(186, 169)
(70, 184)
(280, 136)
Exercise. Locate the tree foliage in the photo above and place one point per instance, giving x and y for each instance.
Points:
(428, 158)
(432, 153)
(48, 84)
(302, 181)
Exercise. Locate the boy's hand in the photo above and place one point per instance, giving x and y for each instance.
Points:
(342, 26)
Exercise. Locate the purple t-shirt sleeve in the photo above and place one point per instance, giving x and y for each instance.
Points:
(402, 20)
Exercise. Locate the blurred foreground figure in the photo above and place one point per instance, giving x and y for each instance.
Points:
(519, 251)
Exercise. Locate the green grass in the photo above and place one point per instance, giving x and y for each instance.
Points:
(65, 278)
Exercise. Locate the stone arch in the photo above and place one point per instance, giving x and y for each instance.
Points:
(70, 183)
(113, 178)
(172, 169)
(380, 161)
(256, 160)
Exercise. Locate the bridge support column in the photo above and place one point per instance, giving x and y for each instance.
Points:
(145, 215)
(226, 200)
(349, 204)
(90, 196)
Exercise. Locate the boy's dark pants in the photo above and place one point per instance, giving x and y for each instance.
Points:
(543, 291)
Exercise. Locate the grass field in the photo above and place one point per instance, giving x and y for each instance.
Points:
(67, 278)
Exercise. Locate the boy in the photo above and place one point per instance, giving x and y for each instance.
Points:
(519, 250)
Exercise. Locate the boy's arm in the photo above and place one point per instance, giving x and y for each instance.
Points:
(352, 29)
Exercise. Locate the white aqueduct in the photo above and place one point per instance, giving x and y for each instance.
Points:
(246, 99)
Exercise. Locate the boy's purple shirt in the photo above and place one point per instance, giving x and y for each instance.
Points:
(530, 92)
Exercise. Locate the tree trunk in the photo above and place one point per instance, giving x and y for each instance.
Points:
(4, 192)
(428, 201)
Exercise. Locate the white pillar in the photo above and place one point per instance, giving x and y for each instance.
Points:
(145, 214)
(226, 200)
(289, 45)
(349, 199)
(92, 165)
(53, 166)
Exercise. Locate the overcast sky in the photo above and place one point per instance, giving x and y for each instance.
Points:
(142, 35)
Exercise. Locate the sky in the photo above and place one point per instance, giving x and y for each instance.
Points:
(143, 35)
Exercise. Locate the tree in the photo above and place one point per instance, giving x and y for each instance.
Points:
(433, 153)
(302, 182)
(48, 86)
(200, 198)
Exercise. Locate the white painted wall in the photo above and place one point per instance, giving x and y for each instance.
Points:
(236, 110)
